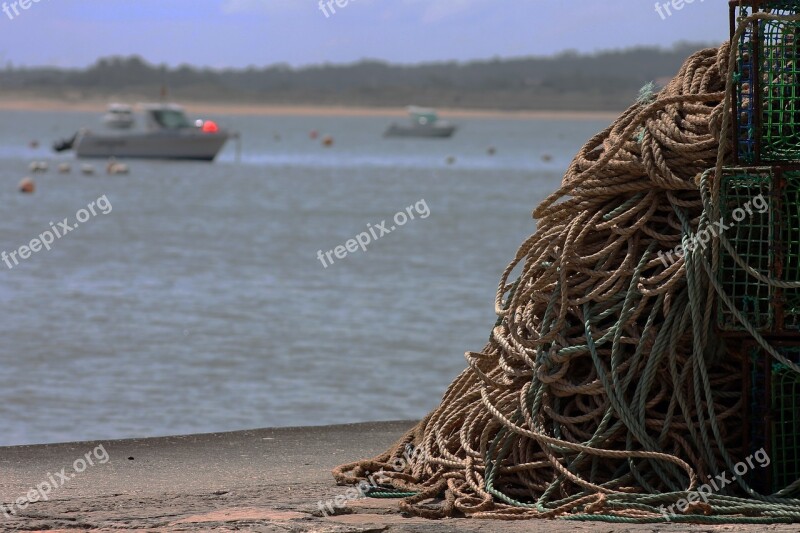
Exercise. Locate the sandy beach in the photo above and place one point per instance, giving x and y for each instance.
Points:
(99, 106)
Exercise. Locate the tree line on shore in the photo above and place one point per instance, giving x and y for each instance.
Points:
(606, 80)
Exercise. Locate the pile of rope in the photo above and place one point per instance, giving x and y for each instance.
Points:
(604, 392)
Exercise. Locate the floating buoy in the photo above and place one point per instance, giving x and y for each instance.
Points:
(209, 126)
(27, 186)
(34, 144)
(547, 158)
(313, 134)
(38, 166)
(327, 141)
(491, 150)
(87, 169)
(113, 168)
(450, 160)
(64, 168)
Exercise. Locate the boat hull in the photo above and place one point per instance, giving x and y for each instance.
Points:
(434, 132)
(183, 145)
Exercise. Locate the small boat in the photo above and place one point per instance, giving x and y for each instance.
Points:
(119, 117)
(423, 122)
(166, 134)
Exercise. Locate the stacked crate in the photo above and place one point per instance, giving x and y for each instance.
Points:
(766, 140)
(773, 390)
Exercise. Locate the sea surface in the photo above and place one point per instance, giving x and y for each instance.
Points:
(198, 303)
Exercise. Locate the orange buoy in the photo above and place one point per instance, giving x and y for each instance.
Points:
(327, 141)
(313, 134)
(209, 126)
(27, 186)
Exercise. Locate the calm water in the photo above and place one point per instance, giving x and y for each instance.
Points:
(198, 303)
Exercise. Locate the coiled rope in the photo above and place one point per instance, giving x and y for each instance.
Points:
(604, 392)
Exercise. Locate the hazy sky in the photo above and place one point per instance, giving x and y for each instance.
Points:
(238, 33)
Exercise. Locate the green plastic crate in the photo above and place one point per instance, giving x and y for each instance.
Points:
(774, 418)
(785, 426)
(788, 225)
(752, 238)
(769, 242)
(780, 94)
(767, 100)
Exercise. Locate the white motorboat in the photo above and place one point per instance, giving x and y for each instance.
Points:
(424, 123)
(166, 134)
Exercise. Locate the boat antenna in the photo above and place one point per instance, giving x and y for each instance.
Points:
(164, 91)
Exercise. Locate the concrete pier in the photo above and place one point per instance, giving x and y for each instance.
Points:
(267, 480)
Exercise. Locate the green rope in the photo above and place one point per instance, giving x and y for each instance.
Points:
(388, 493)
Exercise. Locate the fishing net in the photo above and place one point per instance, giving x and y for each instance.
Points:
(604, 392)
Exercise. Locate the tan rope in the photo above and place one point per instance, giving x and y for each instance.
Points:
(534, 426)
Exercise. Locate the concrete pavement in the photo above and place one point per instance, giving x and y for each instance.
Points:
(267, 480)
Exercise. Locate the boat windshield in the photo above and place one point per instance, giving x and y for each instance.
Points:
(170, 119)
(423, 117)
(424, 120)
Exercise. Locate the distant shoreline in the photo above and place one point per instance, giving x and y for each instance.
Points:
(194, 108)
